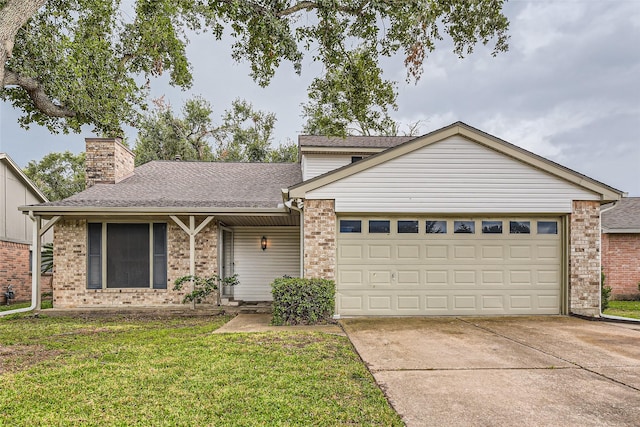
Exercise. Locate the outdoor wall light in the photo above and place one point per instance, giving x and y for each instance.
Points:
(263, 243)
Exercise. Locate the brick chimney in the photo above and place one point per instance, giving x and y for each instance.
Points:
(107, 161)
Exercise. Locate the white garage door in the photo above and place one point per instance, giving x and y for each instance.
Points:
(439, 266)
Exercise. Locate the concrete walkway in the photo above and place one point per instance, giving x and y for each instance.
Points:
(261, 323)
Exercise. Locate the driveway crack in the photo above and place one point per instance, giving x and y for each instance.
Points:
(524, 344)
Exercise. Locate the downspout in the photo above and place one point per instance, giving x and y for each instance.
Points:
(35, 269)
(297, 205)
(608, 316)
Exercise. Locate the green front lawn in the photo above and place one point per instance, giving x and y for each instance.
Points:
(56, 371)
(44, 305)
(624, 309)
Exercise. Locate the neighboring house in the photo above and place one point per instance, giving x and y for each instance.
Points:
(621, 247)
(455, 222)
(16, 189)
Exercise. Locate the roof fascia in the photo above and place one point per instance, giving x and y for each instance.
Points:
(140, 211)
(620, 230)
(606, 193)
(24, 178)
(341, 150)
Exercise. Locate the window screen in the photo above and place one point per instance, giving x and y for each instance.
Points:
(491, 227)
(160, 256)
(519, 227)
(94, 258)
(128, 256)
(464, 227)
(437, 227)
(547, 227)
(350, 226)
(379, 226)
(407, 226)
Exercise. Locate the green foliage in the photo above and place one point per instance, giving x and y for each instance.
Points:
(605, 293)
(204, 286)
(244, 135)
(46, 258)
(93, 60)
(164, 136)
(58, 175)
(302, 301)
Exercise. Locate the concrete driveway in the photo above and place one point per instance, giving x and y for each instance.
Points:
(525, 371)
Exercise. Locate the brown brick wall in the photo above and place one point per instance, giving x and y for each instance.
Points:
(14, 270)
(584, 263)
(107, 161)
(621, 264)
(70, 258)
(319, 239)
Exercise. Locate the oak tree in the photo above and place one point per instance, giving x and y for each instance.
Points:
(75, 62)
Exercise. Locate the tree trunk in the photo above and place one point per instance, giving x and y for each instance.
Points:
(13, 15)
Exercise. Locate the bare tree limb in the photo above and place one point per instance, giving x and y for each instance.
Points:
(37, 94)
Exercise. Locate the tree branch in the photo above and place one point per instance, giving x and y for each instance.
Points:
(13, 15)
(37, 94)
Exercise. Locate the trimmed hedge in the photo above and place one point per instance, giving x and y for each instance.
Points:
(299, 301)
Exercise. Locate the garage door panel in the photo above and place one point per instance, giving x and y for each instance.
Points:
(408, 252)
(464, 252)
(437, 277)
(379, 252)
(449, 274)
(409, 277)
(464, 277)
(437, 252)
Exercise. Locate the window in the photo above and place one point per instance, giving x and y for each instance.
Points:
(355, 159)
(519, 227)
(379, 226)
(464, 227)
(123, 255)
(491, 227)
(350, 226)
(437, 227)
(547, 227)
(407, 227)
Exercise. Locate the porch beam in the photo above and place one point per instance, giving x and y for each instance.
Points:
(49, 224)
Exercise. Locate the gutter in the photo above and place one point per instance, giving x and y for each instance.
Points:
(296, 205)
(602, 315)
(35, 267)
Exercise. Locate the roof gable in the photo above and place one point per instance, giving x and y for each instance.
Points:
(15, 169)
(604, 192)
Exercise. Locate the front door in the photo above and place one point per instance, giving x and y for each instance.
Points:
(226, 260)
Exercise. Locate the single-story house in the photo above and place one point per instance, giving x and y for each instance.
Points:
(454, 222)
(621, 247)
(16, 230)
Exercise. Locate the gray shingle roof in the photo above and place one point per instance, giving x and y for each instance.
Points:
(193, 184)
(353, 141)
(624, 216)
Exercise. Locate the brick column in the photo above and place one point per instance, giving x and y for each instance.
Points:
(584, 261)
(319, 239)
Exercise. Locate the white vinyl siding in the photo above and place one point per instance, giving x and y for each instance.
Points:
(452, 176)
(256, 268)
(318, 164)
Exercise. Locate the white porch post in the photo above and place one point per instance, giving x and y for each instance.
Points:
(192, 231)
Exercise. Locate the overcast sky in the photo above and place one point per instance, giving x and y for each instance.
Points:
(568, 89)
